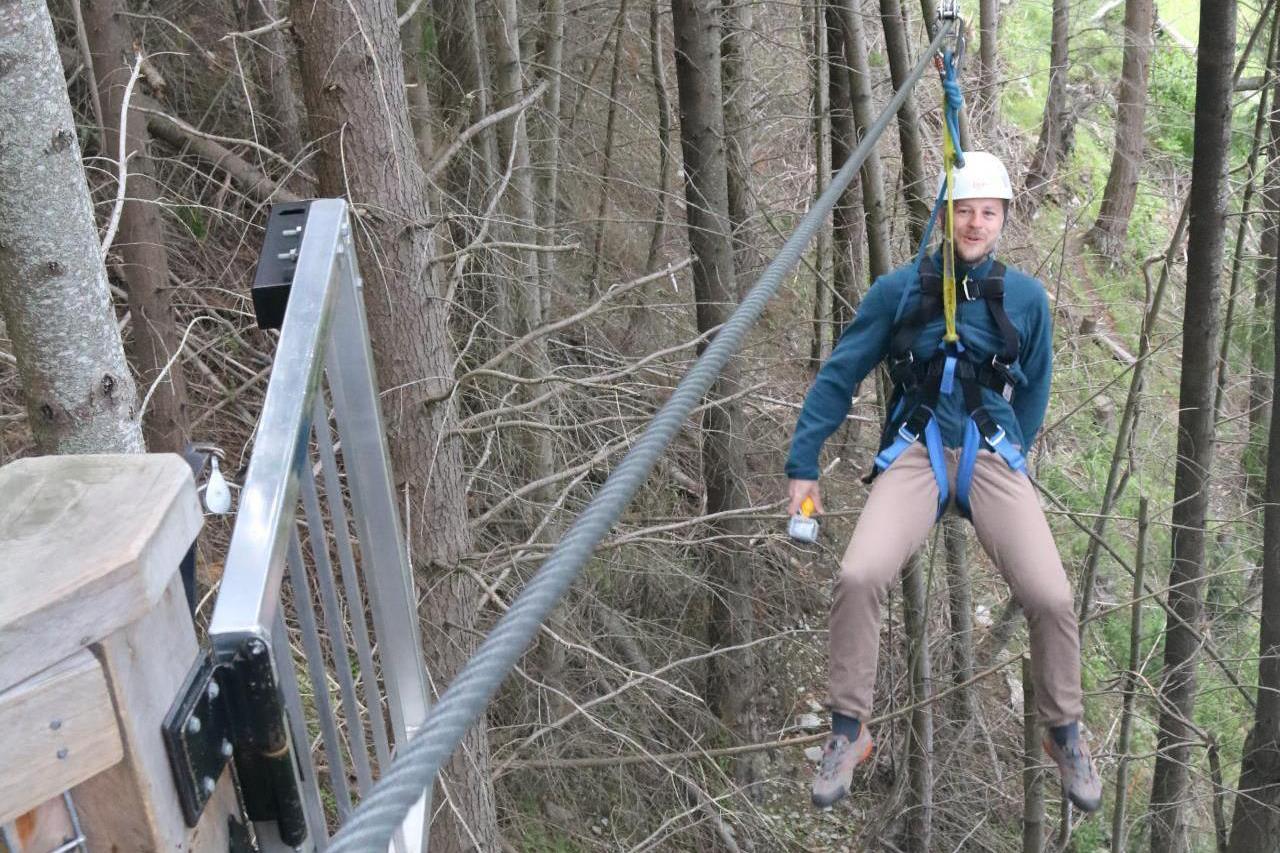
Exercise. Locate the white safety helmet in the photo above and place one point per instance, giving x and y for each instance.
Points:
(983, 176)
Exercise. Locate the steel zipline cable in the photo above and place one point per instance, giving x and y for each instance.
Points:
(374, 822)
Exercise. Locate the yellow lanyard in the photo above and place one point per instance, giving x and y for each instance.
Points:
(949, 241)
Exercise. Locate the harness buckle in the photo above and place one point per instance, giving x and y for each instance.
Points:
(997, 438)
(907, 435)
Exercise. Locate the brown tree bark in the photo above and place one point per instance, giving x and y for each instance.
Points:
(606, 165)
(739, 88)
(858, 68)
(140, 243)
(915, 185)
(274, 76)
(960, 591)
(915, 618)
(417, 73)
(730, 621)
(819, 78)
(1032, 766)
(988, 94)
(462, 94)
(1261, 329)
(1254, 824)
(1170, 784)
(521, 306)
(658, 67)
(1057, 123)
(355, 98)
(1129, 682)
(548, 153)
(847, 225)
(1108, 232)
(54, 299)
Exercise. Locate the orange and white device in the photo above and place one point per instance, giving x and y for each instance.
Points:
(803, 526)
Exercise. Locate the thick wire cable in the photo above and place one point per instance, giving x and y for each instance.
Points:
(373, 823)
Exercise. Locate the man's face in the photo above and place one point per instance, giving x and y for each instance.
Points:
(978, 225)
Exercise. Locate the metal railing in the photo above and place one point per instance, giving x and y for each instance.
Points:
(316, 555)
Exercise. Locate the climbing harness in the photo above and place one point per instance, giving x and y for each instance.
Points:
(919, 386)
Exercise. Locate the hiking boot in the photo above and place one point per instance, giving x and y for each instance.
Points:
(1080, 780)
(835, 774)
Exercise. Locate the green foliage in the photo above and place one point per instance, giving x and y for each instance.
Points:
(1091, 835)
(1172, 94)
(193, 219)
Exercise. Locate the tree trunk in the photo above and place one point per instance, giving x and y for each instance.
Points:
(462, 94)
(1252, 181)
(140, 242)
(1255, 825)
(988, 55)
(1056, 124)
(1169, 787)
(523, 299)
(1129, 682)
(731, 675)
(872, 172)
(1108, 233)
(954, 538)
(847, 226)
(1261, 329)
(417, 91)
(915, 185)
(606, 165)
(915, 618)
(270, 63)
(1032, 766)
(739, 91)
(552, 50)
(658, 66)
(929, 12)
(355, 97)
(819, 71)
(54, 298)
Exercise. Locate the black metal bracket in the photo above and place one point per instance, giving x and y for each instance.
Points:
(278, 262)
(232, 709)
(197, 732)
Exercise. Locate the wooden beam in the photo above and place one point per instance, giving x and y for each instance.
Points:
(134, 805)
(88, 544)
(59, 730)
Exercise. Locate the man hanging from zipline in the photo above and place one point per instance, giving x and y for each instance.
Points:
(969, 347)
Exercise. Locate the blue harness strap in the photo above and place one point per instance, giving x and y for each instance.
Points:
(964, 471)
(938, 461)
(1001, 444)
(904, 439)
(937, 458)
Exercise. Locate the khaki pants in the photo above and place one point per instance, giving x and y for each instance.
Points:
(895, 522)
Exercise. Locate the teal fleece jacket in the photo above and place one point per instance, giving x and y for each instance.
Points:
(865, 344)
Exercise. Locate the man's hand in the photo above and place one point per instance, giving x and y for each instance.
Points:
(801, 489)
